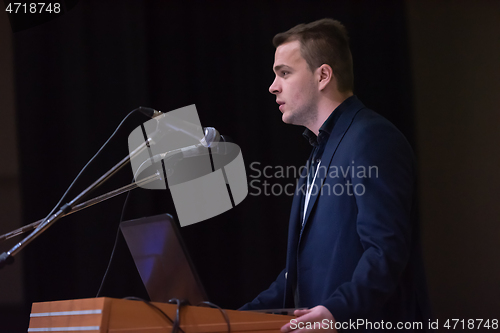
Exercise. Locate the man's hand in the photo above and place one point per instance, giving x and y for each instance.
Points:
(306, 318)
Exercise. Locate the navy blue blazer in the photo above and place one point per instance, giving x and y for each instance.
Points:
(358, 253)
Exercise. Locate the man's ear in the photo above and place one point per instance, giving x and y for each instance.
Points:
(325, 76)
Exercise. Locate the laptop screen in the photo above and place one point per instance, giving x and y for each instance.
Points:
(162, 260)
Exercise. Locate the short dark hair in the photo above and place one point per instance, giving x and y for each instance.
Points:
(323, 42)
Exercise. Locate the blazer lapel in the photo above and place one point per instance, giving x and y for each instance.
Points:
(297, 211)
(293, 236)
(343, 123)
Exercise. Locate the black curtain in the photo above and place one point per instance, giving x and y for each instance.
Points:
(78, 76)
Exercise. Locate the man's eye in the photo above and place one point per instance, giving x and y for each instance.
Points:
(285, 73)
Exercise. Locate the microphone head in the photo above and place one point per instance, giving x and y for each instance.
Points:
(211, 138)
(149, 112)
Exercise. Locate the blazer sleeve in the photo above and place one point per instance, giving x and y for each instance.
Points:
(272, 298)
(384, 220)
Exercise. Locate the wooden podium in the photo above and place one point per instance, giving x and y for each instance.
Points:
(93, 315)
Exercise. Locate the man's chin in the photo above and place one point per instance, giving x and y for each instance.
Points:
(287, 118)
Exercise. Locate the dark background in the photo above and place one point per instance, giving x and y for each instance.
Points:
(78, 75)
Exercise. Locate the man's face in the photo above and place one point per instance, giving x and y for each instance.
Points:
(294, 86)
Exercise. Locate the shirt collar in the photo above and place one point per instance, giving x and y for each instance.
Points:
(326, 129)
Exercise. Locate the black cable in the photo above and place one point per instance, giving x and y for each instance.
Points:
(88, 163)
(114, 245)
(180, 303)
(151, 305)
(177, 322)
(224, 314)
(122, 214)
(109, 263)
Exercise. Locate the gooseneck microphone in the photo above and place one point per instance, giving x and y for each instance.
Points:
(175, 124)
(212, 143)
(149, 112)
(212, 140)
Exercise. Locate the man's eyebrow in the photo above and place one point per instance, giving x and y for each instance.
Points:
(279, 67)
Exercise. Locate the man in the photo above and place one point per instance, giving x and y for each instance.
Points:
(353, 245)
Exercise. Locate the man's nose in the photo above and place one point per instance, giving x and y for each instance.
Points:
(274, 88)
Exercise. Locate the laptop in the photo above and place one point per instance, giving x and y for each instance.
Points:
(162, 259)
(164, 263)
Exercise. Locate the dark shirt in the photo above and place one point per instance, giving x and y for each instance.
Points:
(319, 142)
